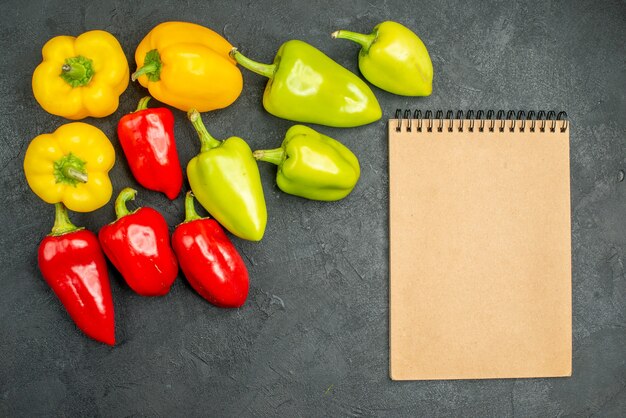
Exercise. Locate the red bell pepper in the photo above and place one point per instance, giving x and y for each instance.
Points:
(138, 245)
(147, 138)
(209, 260)
(72, 263)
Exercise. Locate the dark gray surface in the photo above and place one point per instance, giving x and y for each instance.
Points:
(312, 339)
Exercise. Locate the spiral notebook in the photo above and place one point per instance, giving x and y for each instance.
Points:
(480, 245)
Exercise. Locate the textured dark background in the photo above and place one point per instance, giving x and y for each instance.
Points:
(312, 338)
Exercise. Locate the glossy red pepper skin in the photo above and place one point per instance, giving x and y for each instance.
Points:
(138, 245)
(147, 138)
(74, 267)
(210, 261)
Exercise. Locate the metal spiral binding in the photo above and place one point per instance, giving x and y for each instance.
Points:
(520, 120)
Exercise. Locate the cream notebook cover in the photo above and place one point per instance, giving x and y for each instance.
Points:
(480, 248)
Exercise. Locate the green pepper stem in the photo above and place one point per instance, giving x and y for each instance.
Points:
(146, 69)
(190, 208)
(206, 140)
(62, 223)
(77, 71)
(362, 39)
(266, 70)
(151, 67)
(70, 169)
(274, 156)
(143, 103)
(120, 203)
(75, 174)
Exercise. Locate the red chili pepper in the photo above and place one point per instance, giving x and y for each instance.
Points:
(138, 245)
(72, 263)
(209, 260)
(147, 138)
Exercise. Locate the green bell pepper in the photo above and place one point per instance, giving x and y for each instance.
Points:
(393, 58)
(225, 179)
(305, 85)
(313, 165)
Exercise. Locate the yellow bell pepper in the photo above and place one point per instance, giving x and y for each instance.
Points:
(81, 76)
(188, 66)
(71, 165)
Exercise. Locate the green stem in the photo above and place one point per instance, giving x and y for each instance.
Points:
(362, 39)
(70, 169)
(151, 67)
(206, 140)
(190, 209)
(75, 174)
(74, 72)
(62, 223)
(274, 156)
(266, 70)
(77, 71)
(143, 103)
(145, 70)
(120, 203)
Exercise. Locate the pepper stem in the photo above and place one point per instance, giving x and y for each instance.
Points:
(77, 71)
(74, 72)
(62, 223)
(151, 67)
(266, 70)
(274, 156)
(143, 103)
(70, 169)
(75, 174)
(206, 140)
(120, 203)
(145, 70)
(190, 208)
(362, 39)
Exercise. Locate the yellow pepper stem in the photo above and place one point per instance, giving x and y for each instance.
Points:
(206, 140)
(75, 174)
(77, 71)
(151, 67)
(70, 169)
